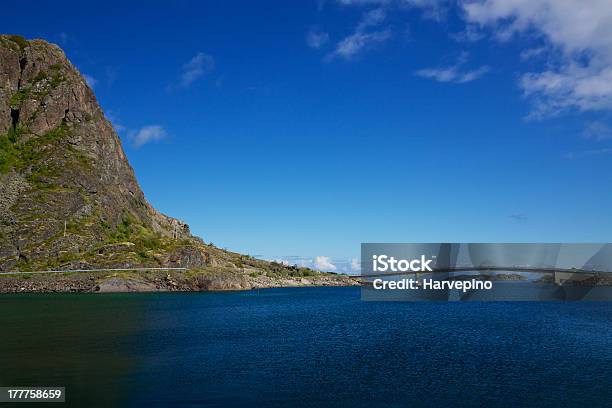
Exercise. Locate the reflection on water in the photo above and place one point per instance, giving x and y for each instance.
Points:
(306, 347)
(83, 341)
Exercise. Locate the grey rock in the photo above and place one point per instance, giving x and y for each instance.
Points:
(114, 285)
(77, 172)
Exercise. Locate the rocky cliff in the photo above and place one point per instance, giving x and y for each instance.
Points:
(68, 196)
(66, 186)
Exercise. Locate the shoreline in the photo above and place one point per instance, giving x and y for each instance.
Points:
(160, 281)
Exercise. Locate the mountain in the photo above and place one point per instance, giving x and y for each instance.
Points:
(67, 187)
(68, 195)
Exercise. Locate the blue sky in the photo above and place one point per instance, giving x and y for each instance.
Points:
(297, 130)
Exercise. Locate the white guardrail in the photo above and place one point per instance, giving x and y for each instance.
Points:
(94, 270)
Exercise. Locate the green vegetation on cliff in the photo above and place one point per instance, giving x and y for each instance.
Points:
(15, 42)
(28, 156)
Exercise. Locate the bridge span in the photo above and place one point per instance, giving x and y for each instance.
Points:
(560, 275)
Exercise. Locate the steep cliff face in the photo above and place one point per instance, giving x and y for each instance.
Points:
(68, 196)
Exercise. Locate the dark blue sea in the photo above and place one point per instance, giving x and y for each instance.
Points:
(306, 347)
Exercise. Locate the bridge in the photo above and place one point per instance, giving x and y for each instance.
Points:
(560, 275)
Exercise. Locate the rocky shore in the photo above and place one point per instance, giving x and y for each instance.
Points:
(160, 281)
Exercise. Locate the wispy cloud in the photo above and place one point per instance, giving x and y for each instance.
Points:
(372, 18)
(575, 38)
(531, 53)
(373, 29)
(147, 134)
(471, 33)
(453, 73)
(364, 37)
(354, 44)
(431, 9)
(136, 137)
(199, 65)
(587, 153)
(91, 81)
(578, 33)
(316, 38)
(597, 131)
(114, 120)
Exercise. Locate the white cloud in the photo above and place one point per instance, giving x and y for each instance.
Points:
(454, 73)
(316, 38)
(573, 37)
(151, 133)
(531, 53)
(579, 32)
(91, 81)
(372, 18)
(597, 131)
(302, 262)
(199, 65)
(365, 36)
(194, 69)
(324, 263)
(471, 33)
(362, 39)
(572, 86)
(355, 43)
(432, 9)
